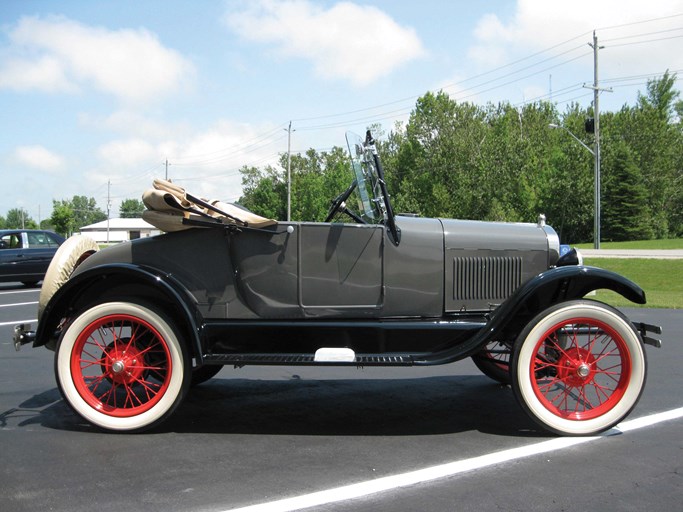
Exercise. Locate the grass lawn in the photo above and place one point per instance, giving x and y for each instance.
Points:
(662, 280)
(670, 243)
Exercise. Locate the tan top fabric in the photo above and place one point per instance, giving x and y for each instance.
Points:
(168, 204)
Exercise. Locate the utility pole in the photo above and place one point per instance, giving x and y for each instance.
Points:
(108, 207)
(167, 164)
(289, 172)
(596, 152)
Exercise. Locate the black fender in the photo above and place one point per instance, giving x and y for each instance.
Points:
(552, 287)
(104, 282)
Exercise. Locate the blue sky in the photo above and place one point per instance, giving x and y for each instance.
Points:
(96, 96)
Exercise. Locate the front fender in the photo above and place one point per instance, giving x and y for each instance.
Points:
(542, 291)
(574, 282)
(109, 282)
(557, 285)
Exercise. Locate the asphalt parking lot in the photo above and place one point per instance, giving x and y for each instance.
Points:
(256, 436)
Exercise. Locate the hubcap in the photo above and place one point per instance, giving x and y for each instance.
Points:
(583, 370)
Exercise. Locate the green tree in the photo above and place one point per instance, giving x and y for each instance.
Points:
(653, 132)
(569, 200)
(47, 224)
(661, 96)
(498, 162)
(264, 192)
(131, 209)
(626, 215)
(18, 218)
(86, 211)
(63, 217)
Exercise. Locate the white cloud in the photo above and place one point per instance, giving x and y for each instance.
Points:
(130, 152)
(206, 162)
(57, 54)
(131, 123)
(45, 73)
(38, 157)
(347, 41)
(541, 24)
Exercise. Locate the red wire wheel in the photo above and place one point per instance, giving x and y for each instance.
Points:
(581, 368)
(578, 368)
(121, 366)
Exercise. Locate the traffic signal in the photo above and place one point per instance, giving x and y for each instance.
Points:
(589, 124)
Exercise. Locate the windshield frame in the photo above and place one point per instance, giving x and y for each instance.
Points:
(373, 197)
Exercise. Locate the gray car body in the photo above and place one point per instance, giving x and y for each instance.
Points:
(278, 295)
(136, 324)
(323, 270)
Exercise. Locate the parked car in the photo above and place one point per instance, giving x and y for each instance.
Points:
(136, 324)
(25, 254)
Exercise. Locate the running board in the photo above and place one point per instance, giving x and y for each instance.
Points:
(239, 360)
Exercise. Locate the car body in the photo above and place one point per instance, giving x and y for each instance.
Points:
(136, 324)
(25, 254)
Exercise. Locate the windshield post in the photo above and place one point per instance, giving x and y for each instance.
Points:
(394, 231)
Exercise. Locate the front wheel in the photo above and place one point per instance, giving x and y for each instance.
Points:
(121, 366)
(578, 368)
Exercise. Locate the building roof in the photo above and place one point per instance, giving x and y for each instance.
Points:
(119, 225)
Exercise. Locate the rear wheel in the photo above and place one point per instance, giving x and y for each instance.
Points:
(121, 366)
(578, 368)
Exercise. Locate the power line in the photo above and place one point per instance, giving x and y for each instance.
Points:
(640, 22)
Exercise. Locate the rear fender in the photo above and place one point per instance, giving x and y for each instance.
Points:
(121, 282)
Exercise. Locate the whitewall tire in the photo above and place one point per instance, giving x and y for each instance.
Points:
(578, 368)
(121, 366)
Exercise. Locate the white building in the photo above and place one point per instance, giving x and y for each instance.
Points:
(119, 230)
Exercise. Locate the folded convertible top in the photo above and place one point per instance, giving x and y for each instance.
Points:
(171, 208)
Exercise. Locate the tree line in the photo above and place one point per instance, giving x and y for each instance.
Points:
(492, 162)
(497, 162)
(69, 215)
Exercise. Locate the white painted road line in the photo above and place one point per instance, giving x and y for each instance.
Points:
(20, 291)
(362, 489)
(18, 304)
(17, 322)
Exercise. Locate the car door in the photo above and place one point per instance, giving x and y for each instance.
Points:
(15, 264)
(341, 267)
(310, 270)
(38, 251)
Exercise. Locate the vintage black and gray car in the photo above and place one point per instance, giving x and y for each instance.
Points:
(134, 325)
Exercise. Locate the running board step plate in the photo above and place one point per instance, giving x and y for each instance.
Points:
(309, 359)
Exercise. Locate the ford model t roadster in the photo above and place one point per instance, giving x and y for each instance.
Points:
(134, 325)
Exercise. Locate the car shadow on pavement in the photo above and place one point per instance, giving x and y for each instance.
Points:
(46, 409)
(353, 407)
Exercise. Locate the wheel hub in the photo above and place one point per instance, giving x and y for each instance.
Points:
(123, 363)
(576, 367)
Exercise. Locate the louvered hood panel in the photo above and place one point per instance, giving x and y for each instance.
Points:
(486, 262)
